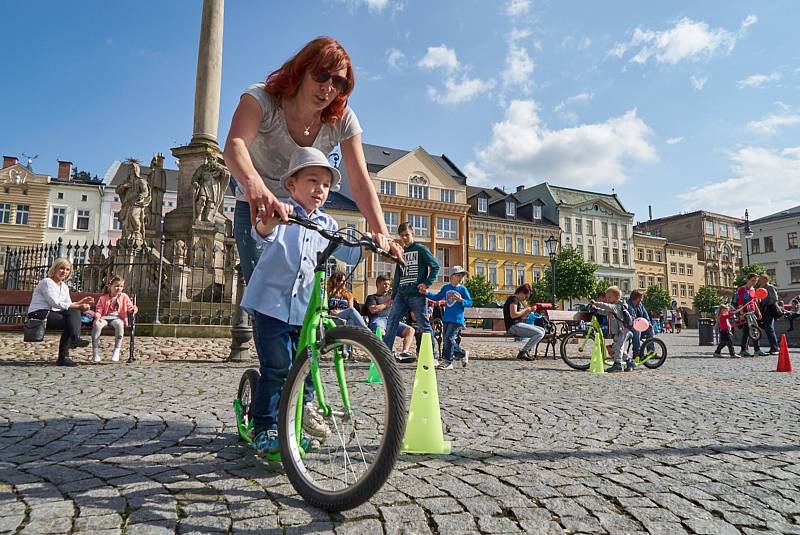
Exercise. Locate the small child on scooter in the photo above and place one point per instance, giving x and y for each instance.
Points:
(620, 326)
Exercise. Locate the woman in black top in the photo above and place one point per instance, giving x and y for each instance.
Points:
(514, 315)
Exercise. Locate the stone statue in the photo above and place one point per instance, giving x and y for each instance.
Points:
(180, 252)
(209, 182)
(135, 197)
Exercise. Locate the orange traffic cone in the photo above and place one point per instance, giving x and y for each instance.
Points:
(784, 362)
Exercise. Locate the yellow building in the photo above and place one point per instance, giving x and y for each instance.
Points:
(23, 204)
(507, 232)
(685, 273)
(347, 216)
(429, 192)
(649, 261)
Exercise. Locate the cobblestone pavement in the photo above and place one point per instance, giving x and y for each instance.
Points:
(701, 446)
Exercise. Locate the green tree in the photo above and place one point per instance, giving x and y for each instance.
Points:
(541, 292)
(656, 299)
(481, 290)
(574, 276)
(600, 285)
(706, 299)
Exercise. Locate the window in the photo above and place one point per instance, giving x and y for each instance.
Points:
(710, 227)
(791, 238)
(590, 253)
(604, 227)
(537, 212)
(58, 218)
(723, 229)
(492, 242)
(649, 255)
(673, 268)
(82, 220)
(626, 286)
(511, 209)
(675, 290)
(711, 252)
(605, 255)
(568, 224)
(170, 205)
(84, 198)
(479, 269)
(443, 259)
(493, 275)
(651, 281)
(392, 220)
(579, 226)
(625, 257)
(420, 224)
(5, 212)
(447, 195)
(479, 241)
(446, 228)
(736, 235)
(117, 225)
(795, 274)
(389, 188)
(520, 245)
(415, 191)
(509, 241)
(537, 275)
(681, 269)
(659, 256)
(755, 246)
(615, 255)
(482, 204)
(579, 248)
(520, 276)
(60, 195)
(768, 248)
(690, 270)
(23, 211)
(590, 227)
(683, 290)
(640, 254)
(691, 290)
(509, 276)
(641, 281)
(614, 230)
(660, 281)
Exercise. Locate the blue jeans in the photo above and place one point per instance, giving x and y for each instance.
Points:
(245, 244)
(352, 317)
(381, 322)
(450, 347)
(276, 344)
(400, 307)
(769, 332)
(638, 337)
(534, 333)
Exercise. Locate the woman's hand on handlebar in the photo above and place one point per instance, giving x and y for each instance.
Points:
(385, 242)
(264, 205)
(265, 225)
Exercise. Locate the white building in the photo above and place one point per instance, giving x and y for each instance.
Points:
(774, 245)
(73, 208)
(597, 225)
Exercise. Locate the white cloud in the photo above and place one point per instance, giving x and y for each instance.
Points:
(376, 5)
(523, 150)
(515, 8)
(519, 67)
(759, 80)
(439, 57)
(516, 35)
(395, 58)
(770, 124)
(460, 90)
(584, 43)
(674, 140)
(768, 179)
(699, 83)
(687, 40)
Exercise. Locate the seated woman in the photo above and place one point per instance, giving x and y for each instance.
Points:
(340, 301)
(514, 315)
(51, 300)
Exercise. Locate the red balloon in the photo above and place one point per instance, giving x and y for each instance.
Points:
(761, 293)
(752, 292)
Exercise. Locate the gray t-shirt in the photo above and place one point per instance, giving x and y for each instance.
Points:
(273, 145)
(376, 299)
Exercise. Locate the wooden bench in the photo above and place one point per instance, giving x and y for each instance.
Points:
(14, 312)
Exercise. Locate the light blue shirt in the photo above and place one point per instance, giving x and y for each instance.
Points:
(284, 276)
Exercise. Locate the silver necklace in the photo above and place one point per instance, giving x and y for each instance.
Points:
(307, 132)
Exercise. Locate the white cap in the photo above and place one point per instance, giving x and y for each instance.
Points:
(455, 270)
(311, 157)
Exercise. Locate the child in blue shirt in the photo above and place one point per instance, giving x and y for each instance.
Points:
(456, 298)
(279, 290)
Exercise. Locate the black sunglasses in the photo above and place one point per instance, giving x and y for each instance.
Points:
(340, 83)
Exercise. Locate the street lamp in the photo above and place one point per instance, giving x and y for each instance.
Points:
(748, 233)
(552, 245)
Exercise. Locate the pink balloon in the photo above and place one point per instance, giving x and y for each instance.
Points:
(752, 292)
(641, 324)
(761, 293)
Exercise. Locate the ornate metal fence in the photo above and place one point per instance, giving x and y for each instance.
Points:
(172, 282)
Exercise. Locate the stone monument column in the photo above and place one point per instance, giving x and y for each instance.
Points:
(209, 73)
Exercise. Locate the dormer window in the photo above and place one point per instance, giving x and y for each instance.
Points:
(482, 205)
(511, 209)
(537, 212)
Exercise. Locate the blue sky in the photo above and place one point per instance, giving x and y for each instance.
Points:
(679, 105)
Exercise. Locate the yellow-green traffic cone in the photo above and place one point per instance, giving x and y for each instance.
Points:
(598, 362)
(374, 376)
(424, 427)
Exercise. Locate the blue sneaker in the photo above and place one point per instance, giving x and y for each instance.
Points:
(617, 367)
(267, 442)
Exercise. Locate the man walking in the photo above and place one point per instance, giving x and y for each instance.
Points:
(770, 312)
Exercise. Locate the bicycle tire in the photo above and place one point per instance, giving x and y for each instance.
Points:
(755, 333)
(581, 359)
(246, 394)
(656, 362)
(393, 423)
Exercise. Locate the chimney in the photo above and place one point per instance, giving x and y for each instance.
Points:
(160, 160)
(64, 170)
(649, 212)
(8, 161)
(520, 188)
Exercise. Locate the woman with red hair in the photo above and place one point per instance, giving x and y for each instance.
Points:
(302, 104)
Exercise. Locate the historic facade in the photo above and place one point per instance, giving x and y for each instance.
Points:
(685, 273)
(774, 246)
(73, 209)
(716, 236)
(650, 261)
(507, 232)
(23, 205)
(597, 225)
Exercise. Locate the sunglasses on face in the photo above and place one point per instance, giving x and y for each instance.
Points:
(340, 83)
